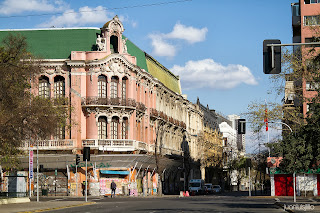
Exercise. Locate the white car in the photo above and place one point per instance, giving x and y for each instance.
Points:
(216, 189)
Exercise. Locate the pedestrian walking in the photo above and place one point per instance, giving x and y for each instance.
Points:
(113, 187)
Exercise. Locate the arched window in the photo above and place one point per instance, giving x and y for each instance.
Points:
(59, 87)
(44, 87)
(102, 127)
(114, 44)
(124, 128)
(102, 86)
(114, 127)
(124, 88)
(114, 86)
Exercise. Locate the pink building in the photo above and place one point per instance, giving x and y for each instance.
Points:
(123, 104)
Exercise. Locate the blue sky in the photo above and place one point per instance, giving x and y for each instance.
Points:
(215, 46)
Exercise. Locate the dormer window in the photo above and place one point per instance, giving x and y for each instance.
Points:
(111, 34)
(114, 44)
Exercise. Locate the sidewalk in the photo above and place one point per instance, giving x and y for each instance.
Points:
(41, 206)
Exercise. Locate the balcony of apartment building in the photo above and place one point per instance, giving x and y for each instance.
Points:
(172, 153)
(55, 144)
(116, 145)
(108, 101)
(155, 114)
(296, 17)
(116, 103)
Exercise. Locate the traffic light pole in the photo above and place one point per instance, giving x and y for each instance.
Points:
(76, 180)
(86, 192)
(249, 183)
(282, 45)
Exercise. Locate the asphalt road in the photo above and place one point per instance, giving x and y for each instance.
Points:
(211, 203)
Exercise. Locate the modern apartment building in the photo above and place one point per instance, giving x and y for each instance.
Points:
(305, 28)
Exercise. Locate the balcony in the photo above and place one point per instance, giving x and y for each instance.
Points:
(155, 114)
(97, 101)
(167, 151)
(60, 144)
(115, 145)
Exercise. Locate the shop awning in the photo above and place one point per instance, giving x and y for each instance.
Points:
(113, 172)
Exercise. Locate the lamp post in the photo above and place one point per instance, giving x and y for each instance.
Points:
(294, 173)
(37, 170)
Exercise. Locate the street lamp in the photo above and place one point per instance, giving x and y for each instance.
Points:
(37, 170)
(294, 173)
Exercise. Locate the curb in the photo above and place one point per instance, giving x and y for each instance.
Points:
(57, 208)
(14, 200)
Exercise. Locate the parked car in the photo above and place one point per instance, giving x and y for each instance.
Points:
(216, 189)
(208, 188)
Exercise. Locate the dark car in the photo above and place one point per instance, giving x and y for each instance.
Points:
(216, 189)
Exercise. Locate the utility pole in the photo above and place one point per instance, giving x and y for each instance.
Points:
(86, 192)
(37, 170)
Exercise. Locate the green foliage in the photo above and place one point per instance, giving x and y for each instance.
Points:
(301, 150)
(237, 164)
(23, 116)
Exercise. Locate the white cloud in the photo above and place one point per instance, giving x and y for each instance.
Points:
(126, 19)
(8, 7)
(190, 34)
(161, 47)
(161, 41)
(209, 74)
(84, 16)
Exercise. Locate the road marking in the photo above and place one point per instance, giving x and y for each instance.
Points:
(58, 199)
(312, 200)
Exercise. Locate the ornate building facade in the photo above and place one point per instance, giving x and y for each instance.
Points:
(123, 104)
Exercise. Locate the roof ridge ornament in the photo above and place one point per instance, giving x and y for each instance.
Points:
(114, 25)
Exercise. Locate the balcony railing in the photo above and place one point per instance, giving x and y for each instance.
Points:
(158, 114)
(141, 107)
(115, 144)
(59, 144)
(95, 100)
(167, 151)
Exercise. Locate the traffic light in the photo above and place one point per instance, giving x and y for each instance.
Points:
(268, 66)
(241, 126)
(86, 153)
(77, 159)
(248, 162)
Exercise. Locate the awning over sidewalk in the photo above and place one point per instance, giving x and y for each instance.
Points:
(112, 172)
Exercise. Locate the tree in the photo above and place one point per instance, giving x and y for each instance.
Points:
(236, 168)
(22, 115)
(212, 150)
(301, 151)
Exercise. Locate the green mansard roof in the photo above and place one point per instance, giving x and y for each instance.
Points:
(57, 43)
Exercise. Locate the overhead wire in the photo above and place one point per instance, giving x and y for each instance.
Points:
(97, 10)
